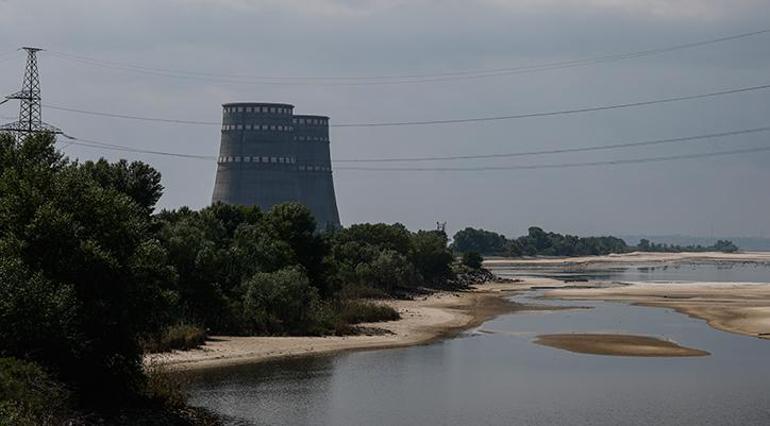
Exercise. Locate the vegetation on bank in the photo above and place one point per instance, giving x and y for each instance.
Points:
(540, 243)
(723, 246)
(91, 278)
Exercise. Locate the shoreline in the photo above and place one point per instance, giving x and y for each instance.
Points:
(730, 307)
(632, 259)
(424, 320)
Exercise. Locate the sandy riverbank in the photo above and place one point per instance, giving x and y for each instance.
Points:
(423, 320)
(733, 307)
(737, 308)
(632, 259)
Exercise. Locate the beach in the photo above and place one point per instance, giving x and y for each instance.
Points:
(423, 320)
(742, 308)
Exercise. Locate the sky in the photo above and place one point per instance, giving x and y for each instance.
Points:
(221, 51)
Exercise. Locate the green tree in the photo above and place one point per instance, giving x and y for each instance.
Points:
(281, 302)
(472, 260)
(87, 250)
(432, 257)
(480, 241)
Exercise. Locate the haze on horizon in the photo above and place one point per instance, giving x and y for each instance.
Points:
(714, 196)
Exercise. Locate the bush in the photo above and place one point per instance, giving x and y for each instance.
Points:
(176, 337)
(281, 302)
(432, 258)
(353, 312)
(472, 260)
(388, 271)
(28, 396)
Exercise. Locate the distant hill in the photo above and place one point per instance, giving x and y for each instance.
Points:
(744, 243)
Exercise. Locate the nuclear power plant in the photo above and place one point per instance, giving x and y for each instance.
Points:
(268, 155)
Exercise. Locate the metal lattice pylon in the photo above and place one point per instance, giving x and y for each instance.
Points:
(30, 116)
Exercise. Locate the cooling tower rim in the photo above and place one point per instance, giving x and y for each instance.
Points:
(267, 104)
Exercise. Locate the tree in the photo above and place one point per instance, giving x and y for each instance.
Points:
(472, 260)
(281, 302)
(432, 257)
(480, 241)
(83, 244)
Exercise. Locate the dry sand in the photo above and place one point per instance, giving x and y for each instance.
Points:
(742, 308)
(737, 308)
(423, 320)
(617, 345)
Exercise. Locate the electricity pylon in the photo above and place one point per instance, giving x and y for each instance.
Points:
(30, 117)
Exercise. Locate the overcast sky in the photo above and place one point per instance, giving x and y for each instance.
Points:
(331, 38)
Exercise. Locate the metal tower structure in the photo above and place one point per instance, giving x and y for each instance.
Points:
(30, 117)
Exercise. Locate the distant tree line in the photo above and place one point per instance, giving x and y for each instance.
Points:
(91, 278)
(536, 243)
(540, 243)
(721, 246)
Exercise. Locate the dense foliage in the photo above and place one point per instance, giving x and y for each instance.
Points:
(536, 243)
(721, 246)
(81, 273)
(90, 277)
(540, 243)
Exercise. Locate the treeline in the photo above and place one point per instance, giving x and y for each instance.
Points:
(90, 278)
(724, 246)
(240, 271)
(540, 243)
(536, 243)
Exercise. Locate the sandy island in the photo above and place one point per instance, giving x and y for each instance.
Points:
(733, 307)
(616, 345)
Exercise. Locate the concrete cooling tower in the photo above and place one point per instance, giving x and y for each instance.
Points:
(268, 155)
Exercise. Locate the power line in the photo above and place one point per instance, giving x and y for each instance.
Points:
(396, 79)
(559, 165)
(560, 150)
(133, 117)
(444, 121)
(115, 147)
(559, 112)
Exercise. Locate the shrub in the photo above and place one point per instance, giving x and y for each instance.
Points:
(28, 396)
(472, 260)
(176, 337)
(281, 302)
(354, 312)
(387, 271)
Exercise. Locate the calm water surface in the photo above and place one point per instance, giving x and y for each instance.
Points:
(494, 375)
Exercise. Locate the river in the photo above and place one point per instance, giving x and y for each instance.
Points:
(495, 375)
